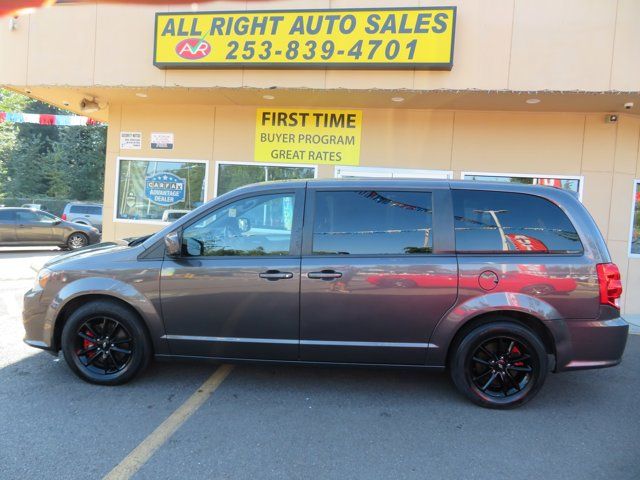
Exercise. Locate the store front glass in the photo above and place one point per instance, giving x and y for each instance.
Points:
(234, 175)
(147, 188)
(571, 184)
(634, 249)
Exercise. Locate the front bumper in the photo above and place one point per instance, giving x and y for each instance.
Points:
(38, 332)
(585, 344)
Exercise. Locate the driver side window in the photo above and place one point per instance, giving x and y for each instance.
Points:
(255, 226)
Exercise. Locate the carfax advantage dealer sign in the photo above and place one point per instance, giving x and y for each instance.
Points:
(420, 37)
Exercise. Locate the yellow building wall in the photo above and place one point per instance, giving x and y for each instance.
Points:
(606, 154)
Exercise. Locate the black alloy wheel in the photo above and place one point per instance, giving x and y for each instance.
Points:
(499, 365)
(104, 346)
(105, 342)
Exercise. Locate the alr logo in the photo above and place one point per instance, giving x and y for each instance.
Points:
(193, 48)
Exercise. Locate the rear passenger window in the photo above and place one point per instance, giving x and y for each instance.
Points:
(502, 222)
(372, 223)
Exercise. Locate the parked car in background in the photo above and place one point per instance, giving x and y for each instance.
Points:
(498, 283)
(84, 214)
(27, 227)
(173, 215)
(34, 206)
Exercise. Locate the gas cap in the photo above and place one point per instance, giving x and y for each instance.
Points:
(488, 280)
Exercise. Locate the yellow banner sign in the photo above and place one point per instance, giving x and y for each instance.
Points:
(308, 136)
(420, 37)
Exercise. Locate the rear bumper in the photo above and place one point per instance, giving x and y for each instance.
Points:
(586, 344)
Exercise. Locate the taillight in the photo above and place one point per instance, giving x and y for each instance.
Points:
(64, 217)
(610, 284)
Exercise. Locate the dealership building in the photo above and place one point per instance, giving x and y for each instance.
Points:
(205, 98)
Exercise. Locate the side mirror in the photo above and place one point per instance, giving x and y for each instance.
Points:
(172, 244)
(244, 224)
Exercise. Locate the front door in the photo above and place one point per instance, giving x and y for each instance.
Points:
(35, 228)
(234, 292)
(375, 276)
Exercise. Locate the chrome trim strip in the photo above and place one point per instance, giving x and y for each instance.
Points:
(196, 338)
(331, 343)
(284, 341)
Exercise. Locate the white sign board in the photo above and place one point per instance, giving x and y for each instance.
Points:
(130, 140)
(161, 141)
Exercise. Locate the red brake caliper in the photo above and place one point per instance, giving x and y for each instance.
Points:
(516, 351)
(87, 344)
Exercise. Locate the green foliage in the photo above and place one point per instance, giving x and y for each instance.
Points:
(64, 162)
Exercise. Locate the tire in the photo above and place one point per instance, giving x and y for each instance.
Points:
(105, 361)
(499, 365)
(77, 240)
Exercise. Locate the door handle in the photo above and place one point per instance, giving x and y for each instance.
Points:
(273, 275)
(21, 226)
(324, 275)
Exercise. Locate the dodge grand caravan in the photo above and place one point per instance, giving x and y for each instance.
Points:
(498, 283)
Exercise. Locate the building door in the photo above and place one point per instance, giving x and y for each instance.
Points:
(373, 286)
(234, 292)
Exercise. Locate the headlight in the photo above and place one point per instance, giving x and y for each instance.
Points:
(42, 279)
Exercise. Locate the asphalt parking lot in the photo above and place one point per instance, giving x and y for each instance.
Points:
(300, 422)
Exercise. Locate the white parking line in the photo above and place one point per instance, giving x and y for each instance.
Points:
(144, 451)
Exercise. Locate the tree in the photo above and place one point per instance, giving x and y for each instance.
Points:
(65, 162)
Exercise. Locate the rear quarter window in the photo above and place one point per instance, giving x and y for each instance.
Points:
(507, 223)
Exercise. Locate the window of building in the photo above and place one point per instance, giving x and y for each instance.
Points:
(255, 226)
(372, 223)
(148, 187)
(234, 175)
(502, 222)
(634, 247)
(571, 184)
(370, 172)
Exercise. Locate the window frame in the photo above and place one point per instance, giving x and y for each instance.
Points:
(580, 178)
(259, 164)
(162, 160)
(412, 173)
(441, 223)
(636, 182)
(513, 253)
(296, 227)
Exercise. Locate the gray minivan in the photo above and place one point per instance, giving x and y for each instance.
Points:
(498, 283)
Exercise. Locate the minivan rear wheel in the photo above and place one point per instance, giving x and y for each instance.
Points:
(105, 343)
(499, 365)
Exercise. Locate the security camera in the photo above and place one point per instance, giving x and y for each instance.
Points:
(628, 105)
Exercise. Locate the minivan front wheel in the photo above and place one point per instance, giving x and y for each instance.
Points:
(77, 240)
(105, 343)
(499, 365)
